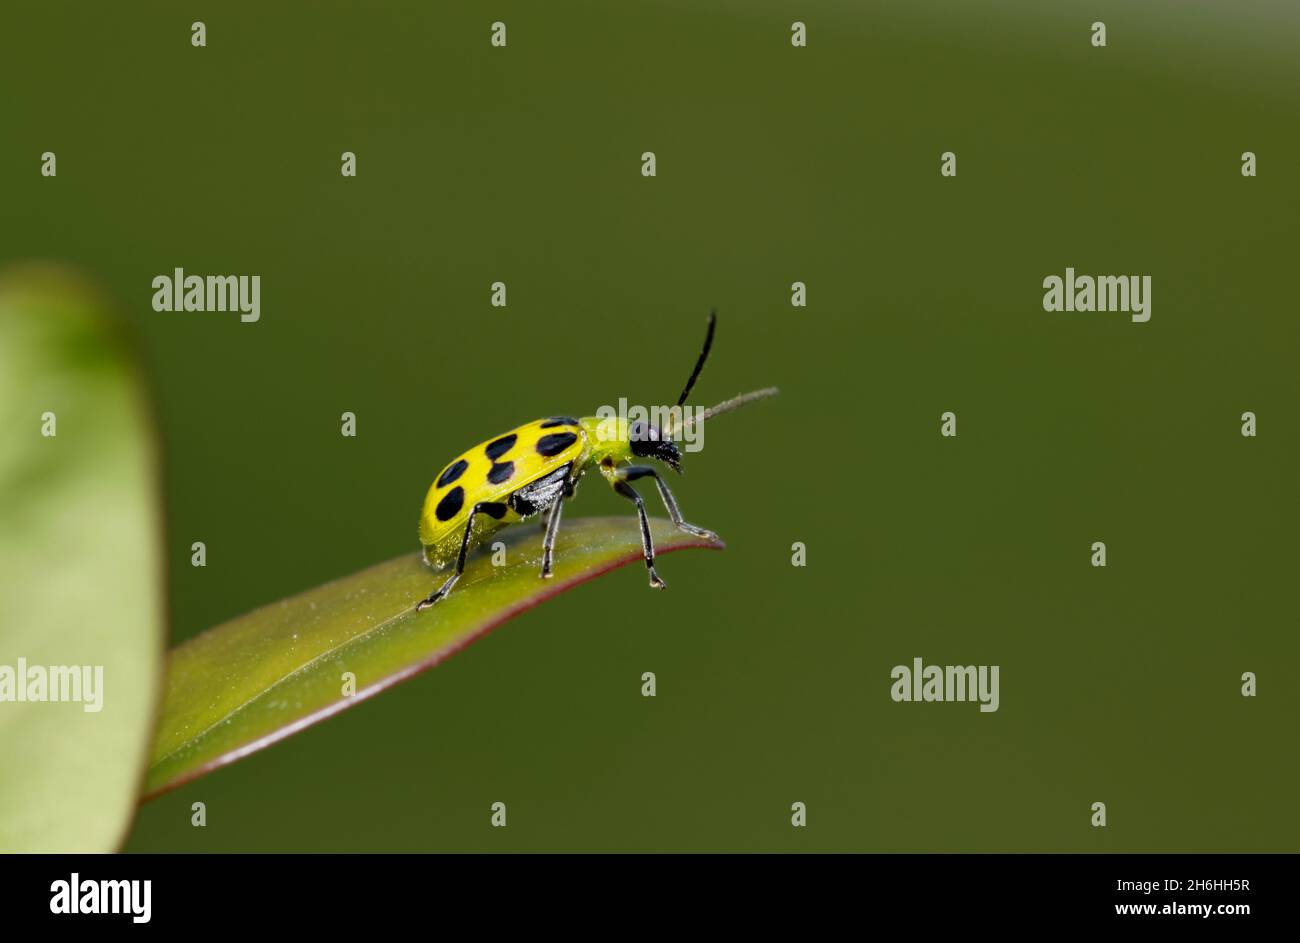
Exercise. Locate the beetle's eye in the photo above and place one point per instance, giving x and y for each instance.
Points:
(641, 438)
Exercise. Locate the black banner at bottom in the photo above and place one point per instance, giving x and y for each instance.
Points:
(342, 893)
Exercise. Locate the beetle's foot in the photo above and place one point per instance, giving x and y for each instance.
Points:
(424, 604)
(655, 581)
(437, 594)
(697, 531)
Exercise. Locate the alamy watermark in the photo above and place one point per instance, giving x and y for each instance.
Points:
(684, 425)
(78, 896)
(1127, 293)
(922, 682)
(24, 683)
(181, 292)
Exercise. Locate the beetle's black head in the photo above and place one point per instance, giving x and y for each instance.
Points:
(648, 442)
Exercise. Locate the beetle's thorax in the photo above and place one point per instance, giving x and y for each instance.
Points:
(607, 440)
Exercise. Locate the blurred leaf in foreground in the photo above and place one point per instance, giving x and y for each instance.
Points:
(81, 570)
(247, 683)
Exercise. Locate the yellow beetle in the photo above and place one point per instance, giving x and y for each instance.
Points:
(532, 469)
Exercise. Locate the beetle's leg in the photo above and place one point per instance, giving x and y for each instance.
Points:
(633, 472)
(437, 594)
(489, 507)
(548, 542)
(647, 544)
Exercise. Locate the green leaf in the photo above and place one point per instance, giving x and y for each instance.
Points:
(81, 569)
(257, 679)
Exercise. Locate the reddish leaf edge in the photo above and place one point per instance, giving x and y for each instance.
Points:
(411, 671)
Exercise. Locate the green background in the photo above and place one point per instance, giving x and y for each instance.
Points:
(775, 164)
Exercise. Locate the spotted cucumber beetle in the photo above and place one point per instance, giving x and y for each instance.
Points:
(533, 469)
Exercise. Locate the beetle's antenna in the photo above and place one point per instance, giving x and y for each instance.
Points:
(704, 355)
(726, 406)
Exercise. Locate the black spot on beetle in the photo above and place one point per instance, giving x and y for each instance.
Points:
(454, 471)
(493, 509)
(451, 504)
(559, 421)
(501, 472)
(501, 446)
(555, 443)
